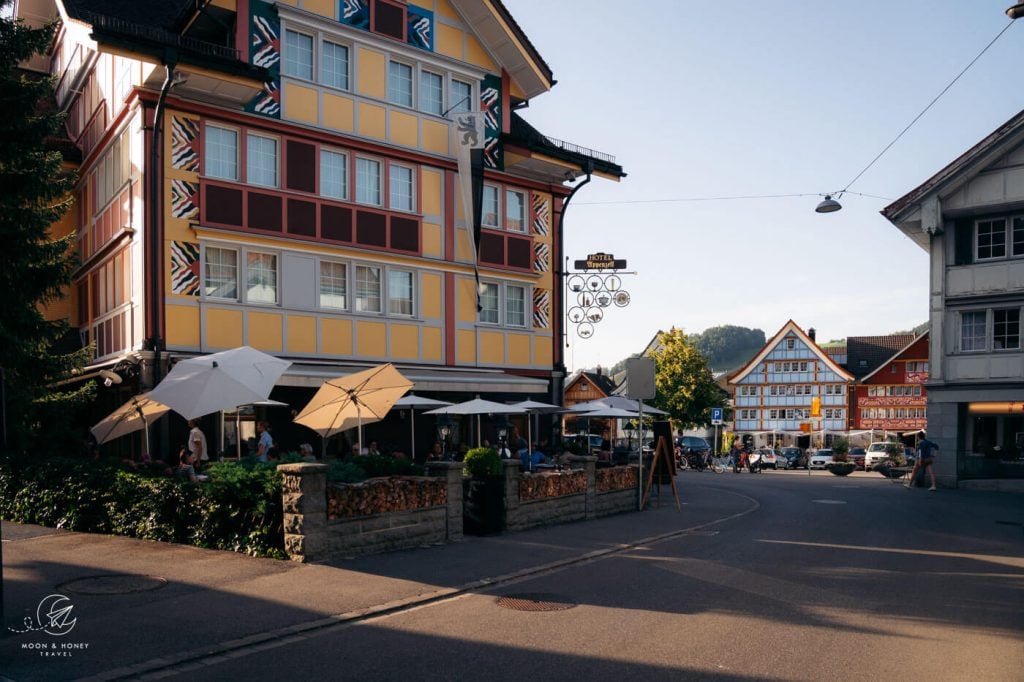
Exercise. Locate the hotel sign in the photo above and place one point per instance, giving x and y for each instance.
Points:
(601, 261)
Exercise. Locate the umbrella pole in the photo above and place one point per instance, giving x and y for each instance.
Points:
(412, 441)
(359, 431)
(529, 439)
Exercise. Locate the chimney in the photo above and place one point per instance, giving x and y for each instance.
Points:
(598, 370)
(811, 333)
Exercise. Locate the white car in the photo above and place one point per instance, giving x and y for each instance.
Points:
(875, 455)
(821, 459)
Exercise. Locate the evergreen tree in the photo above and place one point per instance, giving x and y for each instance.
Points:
(36, 192)
(685, 387)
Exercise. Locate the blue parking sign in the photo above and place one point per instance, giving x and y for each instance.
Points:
(716, 415)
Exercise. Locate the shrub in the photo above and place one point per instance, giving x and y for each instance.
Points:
(894, 454)
(482, 462)
(339, 471)
(382, 465)
(840, 450)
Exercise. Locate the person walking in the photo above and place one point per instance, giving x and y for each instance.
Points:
(926, 453)
(736, 455)
(265, 442)
(197, 445)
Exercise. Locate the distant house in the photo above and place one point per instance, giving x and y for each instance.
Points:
(969, 217)
(583, 387)
(775, 393)
(892, 397)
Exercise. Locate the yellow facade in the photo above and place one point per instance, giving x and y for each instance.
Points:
(477, 55)
(336, 336)
(542, 351)
(405, 341)
(449, 41)
(492, 348)
(325, 8)
(371, 120)
(435, 137)
(432, 240)
(223, 328)
(265, 331)
(465, 299)
(431, 191)
(431, 295)
(465, 347)
(371, 77)
(183, 326)
(339, 112)
(404, 129)
(519, 349)
(371, 339)
(300, 103)
(301, 334)
(433, 348)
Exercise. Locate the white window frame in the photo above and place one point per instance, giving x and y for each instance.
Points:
(335, 281)
(255, 261)
(431, 83)
(995, 323)
(496, 203)
(522, 218)
(324, 62)
(222, 279)
(486, 310)
(363, 293)
(401, 96)
(212, 166)
(291, 65)
(401, 202)
(458, 100)
(983, 337)
(508, 308)
(398, 303)
(258, 155)
(343, 169)
(375, 198)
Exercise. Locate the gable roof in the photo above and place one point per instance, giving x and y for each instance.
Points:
(874, 351)
(790, 326)
(901, 351)
(601, 381)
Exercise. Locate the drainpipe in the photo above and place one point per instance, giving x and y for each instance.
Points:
(558, 376)
(155, 206)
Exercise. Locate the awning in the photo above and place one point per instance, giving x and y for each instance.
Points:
(439, 380)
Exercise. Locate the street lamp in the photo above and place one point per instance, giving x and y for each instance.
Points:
(829, 205)
(444, 433)
(1015, 11)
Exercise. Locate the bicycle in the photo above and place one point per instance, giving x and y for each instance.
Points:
(720, 464)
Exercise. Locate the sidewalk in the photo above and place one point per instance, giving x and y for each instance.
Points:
(166, 604)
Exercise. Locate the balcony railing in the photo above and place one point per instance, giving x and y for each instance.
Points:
(159, 35)
(576, 149)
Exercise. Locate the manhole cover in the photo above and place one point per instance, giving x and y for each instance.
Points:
(829, 501)
(535, 602)
(113, 584)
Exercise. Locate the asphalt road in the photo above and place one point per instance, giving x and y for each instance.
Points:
(773, 576)
(824, 578)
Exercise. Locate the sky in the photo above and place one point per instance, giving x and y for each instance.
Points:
(708, 99)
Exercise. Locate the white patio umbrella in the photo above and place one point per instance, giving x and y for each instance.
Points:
(132, 416)
(254, 368)
(478, 406)
(353, 400)
(612, 413)
(618, 401)
(413, 401)
(533, 407)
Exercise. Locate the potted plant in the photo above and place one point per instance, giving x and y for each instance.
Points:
(894, 459)
(841, 464)
(483, 492)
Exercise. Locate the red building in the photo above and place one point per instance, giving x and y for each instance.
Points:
(893, 396)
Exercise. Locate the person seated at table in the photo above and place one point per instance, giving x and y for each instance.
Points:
(306, 451)
(185, 468)
(373, 450)
(436, 453)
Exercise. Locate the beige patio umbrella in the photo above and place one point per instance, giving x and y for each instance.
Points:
(132, 416)
(353, 400)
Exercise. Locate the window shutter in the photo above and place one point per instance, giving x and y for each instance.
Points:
(963, 241)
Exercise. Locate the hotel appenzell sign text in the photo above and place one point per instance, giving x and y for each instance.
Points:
(601, 261)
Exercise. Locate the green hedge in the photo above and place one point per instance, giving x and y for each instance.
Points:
(238, 508)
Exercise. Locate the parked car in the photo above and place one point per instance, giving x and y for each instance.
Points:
(780, 460)
(875, 455)
(769, 458)
(693, 445)
(857, 457)
(821, 459)
(795, 458)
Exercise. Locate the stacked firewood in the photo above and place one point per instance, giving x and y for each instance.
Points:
(615, 478)
(537, 486)
(383, 495)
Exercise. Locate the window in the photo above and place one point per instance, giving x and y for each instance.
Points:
(461, 96)
(368, 181)
(790, 344)
(489, 302)
(748, 390)
(261, 160)
(333, 285)
(400, 84)
(917, 366)
(261, 277)
(515, 211)
(991, 239)
(333, 174)
(490, 206)
(972, 330)
(748, 414)
(1017, 242)
(400, 292)
(334, 65)
(221, 153)
(221, 273)
(400, 187)
(431, 93)
(515, 306)
(367, 289)
(298, 55)
(1006, 329)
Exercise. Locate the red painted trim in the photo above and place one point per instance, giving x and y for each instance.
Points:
(449, 319)
(506, 104)
(448, 229)
(242, 21)
(557, 286)
(148, 228)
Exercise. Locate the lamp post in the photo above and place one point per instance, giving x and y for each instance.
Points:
(444, 433)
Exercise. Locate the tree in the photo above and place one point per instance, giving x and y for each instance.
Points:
(727, 347)
(685, 387)
(36, 193)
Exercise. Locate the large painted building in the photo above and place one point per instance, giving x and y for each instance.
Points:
(776, 392)
(285, 175)
(891, 399)
(969, 217)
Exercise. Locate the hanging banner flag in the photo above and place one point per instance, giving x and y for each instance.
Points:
(468, 142)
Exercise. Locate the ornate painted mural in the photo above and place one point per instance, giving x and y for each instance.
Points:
(541, 215)
(419, 22)
(184, 199)
(184, 143)
(265, 37)
(185, 268)
(541, 309)
(490, 104)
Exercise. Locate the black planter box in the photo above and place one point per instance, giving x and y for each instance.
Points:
(483, 505)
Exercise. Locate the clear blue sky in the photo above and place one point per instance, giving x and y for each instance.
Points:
(707, 99)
